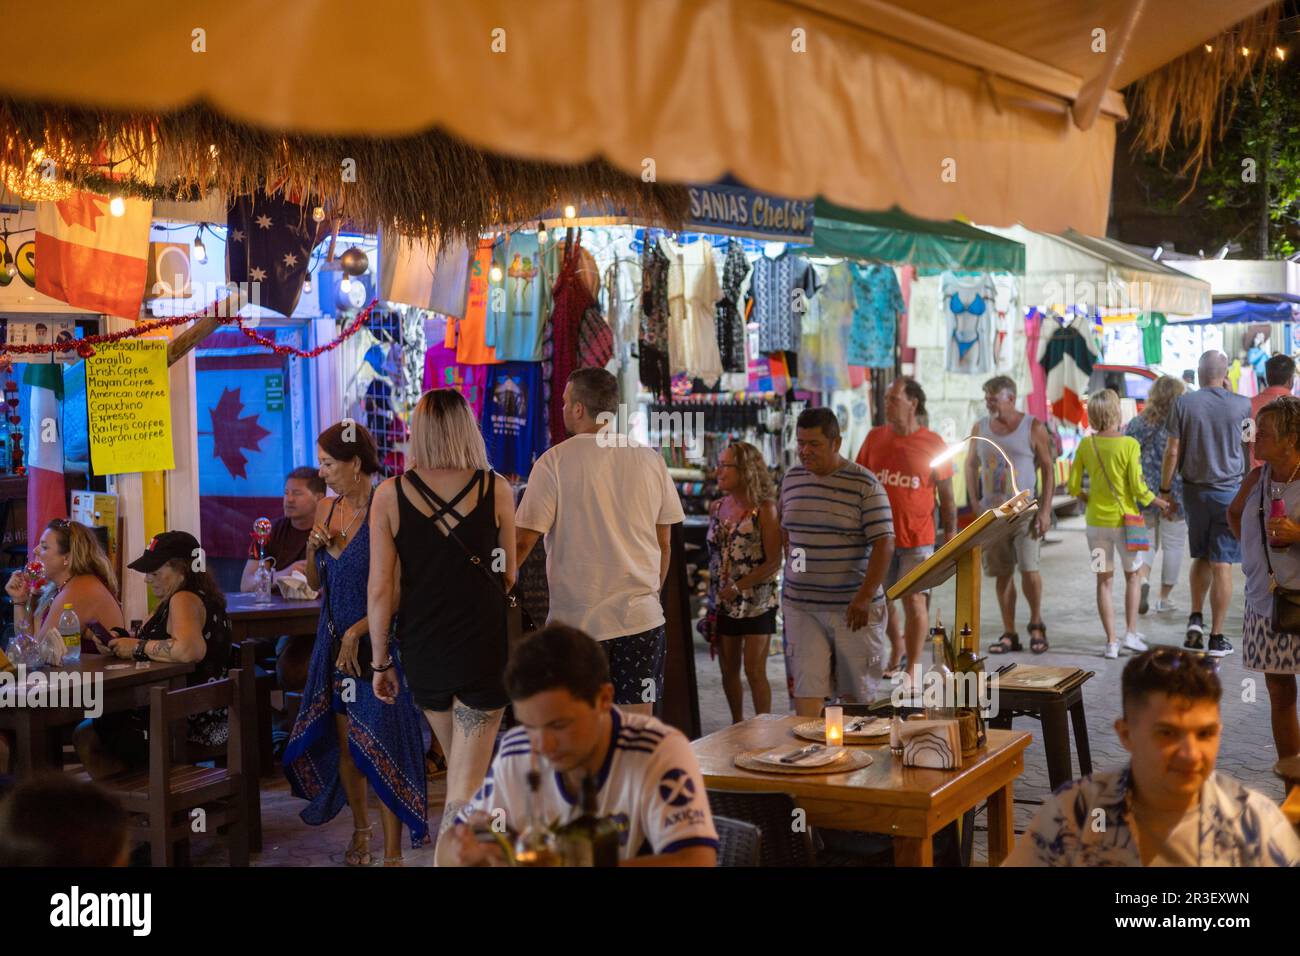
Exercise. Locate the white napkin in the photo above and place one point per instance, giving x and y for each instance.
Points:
(931, 743)
(293, 586)
(816, 758)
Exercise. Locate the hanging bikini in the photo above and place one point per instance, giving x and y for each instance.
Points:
(966, 338)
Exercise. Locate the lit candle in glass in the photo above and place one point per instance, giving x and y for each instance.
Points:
(834, 726)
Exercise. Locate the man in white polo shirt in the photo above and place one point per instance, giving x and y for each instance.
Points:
(606, 507)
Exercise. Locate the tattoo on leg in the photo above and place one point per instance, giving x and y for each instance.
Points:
(449, 812)
(471, 721)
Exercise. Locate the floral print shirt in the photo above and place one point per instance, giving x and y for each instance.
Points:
(734, 551)
(1152, 438)
(1086, 823)
(875, 318)
(730, 324)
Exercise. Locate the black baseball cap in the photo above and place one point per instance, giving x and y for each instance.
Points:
(163, 548)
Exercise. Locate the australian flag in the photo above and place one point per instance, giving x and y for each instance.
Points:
(269, 243)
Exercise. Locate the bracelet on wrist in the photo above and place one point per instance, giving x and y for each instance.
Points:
(140, 654)
(380, 668)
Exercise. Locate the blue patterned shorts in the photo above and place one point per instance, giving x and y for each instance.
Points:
(636, 666)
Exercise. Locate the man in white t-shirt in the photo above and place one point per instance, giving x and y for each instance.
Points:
(646, 774)
(606, 506)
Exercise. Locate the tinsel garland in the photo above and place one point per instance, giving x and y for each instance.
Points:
(86, 347)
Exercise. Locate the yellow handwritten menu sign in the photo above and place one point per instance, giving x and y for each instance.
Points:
(130, 411)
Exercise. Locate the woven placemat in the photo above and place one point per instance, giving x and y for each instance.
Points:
(852, 760)
(815, 730)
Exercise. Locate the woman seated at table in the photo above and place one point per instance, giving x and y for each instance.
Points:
(79, 574)
(190, 627)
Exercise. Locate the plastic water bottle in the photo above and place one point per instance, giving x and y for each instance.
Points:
(70, 631)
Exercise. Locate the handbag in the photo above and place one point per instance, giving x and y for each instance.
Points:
(364, 657)
(1137, 537)
(1285, 618)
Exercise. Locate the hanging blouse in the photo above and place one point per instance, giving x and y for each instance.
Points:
(693, 292)
(777, 310)
(730, 324)
(878, 301)
(652, 343)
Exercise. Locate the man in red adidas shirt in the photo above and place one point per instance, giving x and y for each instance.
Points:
(899, 453)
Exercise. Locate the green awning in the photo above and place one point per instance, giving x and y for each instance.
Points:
(897, 238)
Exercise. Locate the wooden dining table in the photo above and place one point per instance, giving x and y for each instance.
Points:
(121, 685)
(250, 619)
(910, 804)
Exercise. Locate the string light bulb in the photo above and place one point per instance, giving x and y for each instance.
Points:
(10, 269)
(117, 206)
(495, 273)
(306, 285)
(345, 285)
(1279, 52)
(541, 232)
(1209, 48)
(570, 212)
(1245, 51)
(318, 214)
(200, 250)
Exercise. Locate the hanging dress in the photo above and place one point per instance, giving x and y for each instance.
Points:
(571, 299)
(385, 740)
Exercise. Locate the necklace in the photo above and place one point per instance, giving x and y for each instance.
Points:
(343, 535)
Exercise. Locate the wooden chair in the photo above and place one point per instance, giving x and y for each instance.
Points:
(162, 798)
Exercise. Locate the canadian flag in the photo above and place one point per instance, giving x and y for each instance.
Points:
(90, 258)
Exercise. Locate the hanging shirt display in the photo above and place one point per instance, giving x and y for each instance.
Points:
(1036, 403)
(469, 334)
(1153, 339)
(852, 406)
(777, 309)
(1006, 312)
(515, 325)
(878, 301)
(826, 327)
(512, 423)
(730, 323)
(652, 343)
(571, 299)
(968, 304)
(623, 301)
(1067, 356)
(441, 370)
(421, 274)
(693, 292)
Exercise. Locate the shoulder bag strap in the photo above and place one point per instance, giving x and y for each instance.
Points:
(1263, 531)
(474, 559)
(1101, 466)
(324, 584)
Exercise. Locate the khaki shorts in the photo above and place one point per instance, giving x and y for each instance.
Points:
(830, 660)
(1105, 542)
(1019, 550)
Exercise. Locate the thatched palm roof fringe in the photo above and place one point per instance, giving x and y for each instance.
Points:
(1191, 99)
(430, 184)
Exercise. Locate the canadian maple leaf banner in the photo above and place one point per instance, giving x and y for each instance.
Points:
(233, 432)
(89, 258)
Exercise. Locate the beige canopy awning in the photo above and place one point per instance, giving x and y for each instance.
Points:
(992, 110)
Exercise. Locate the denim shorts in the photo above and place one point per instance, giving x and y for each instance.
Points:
(1208, 534)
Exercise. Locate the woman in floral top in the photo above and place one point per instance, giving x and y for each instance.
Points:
(1168, 535)
(744, 558)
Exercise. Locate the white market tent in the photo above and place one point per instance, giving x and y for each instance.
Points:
(1072, 269)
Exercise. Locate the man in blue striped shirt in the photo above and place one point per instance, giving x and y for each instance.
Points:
(839, 538)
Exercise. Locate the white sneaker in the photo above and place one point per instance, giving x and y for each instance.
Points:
(1164, 607)
(1112, 651)
(1135, 642)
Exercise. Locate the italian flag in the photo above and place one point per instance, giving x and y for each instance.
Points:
(89, 258)
(45, 493)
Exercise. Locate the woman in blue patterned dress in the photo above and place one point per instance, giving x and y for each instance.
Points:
(344, 737)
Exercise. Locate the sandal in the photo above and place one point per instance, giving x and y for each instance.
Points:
(358, 855)
(1008, 642)
(435, 764)
(392, 861)
(889, 673)
(1037, 642)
